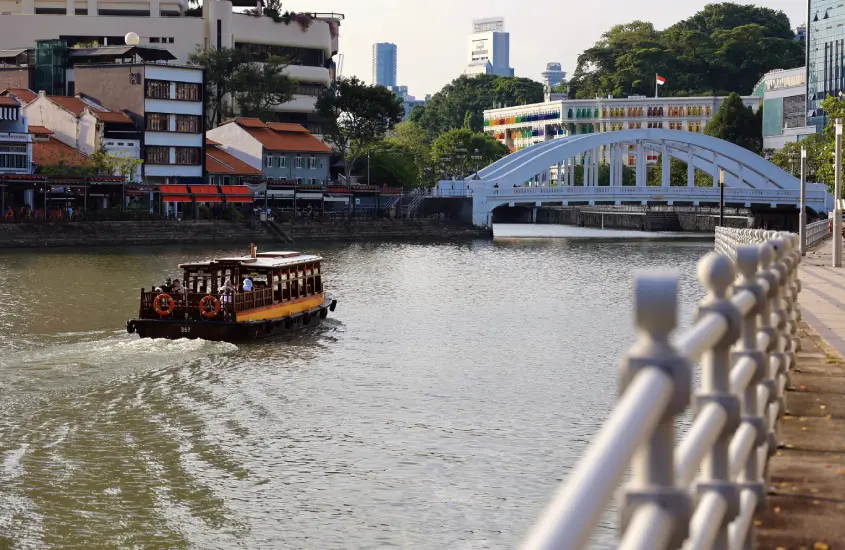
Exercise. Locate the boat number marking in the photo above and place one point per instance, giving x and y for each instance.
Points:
(186, 329)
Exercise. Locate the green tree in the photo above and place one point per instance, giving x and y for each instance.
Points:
(448, 142)
(236, 75)
(414, 139)
(108, 164)
(736, 123)
(391, 164)
(448, 108)
(678, 175)
(724, 47)
(356, 115)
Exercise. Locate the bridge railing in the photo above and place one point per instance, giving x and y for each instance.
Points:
(704, 492)
(817, 232)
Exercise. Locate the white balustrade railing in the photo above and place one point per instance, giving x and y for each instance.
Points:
(704, 493)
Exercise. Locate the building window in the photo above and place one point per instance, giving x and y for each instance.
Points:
(309, 57)
(313, 90)
(297, 162)
(312, 181)
(157, 155)
(312, 163)
(154, 40)
(14, 161)
(269, 162)
(188, 155)
(158, 89)
(299, 181)
(157, 122)
(187, 91)
(188, 123)
(283, 162)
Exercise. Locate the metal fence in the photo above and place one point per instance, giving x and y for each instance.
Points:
(817, 232)
(704, 492)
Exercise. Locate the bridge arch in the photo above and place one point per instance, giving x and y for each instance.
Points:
(524, 178)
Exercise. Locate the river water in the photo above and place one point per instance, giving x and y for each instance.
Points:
(438, 406)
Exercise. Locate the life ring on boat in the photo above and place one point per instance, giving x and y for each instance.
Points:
(163, 304)
(209, 306)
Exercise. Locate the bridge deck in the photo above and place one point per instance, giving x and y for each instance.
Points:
(806, 502)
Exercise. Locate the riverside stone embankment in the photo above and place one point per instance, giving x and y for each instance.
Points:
(126, 233)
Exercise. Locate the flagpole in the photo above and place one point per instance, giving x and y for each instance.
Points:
(656, 85)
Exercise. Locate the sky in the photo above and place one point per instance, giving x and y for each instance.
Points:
(431, 35)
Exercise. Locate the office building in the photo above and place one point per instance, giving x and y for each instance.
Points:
(553, 75)
(384, 64)
(525, 125)
(310, 41)
(784, 94)
(489, 48)
(408, 101)
(825, 56)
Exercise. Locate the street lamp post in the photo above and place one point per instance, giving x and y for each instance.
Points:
(476, 156)
(461, 155)
(802, 214)
(721, 198)
(837, 195)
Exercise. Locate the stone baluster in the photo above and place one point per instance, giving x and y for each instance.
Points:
(653, 465)
(716, 273)
(769, 283)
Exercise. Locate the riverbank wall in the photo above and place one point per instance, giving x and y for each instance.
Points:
(639, 221)
(137, 233)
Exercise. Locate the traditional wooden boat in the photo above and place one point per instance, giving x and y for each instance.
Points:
(287, 294)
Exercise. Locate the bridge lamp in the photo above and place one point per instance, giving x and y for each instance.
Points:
(476, 156)
(461, 155)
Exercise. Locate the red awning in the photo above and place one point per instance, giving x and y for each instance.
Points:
(237, 193)
(206, 193)
(174, 193)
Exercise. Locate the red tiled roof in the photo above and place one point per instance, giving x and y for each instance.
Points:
(72, 104)
(293, 142)
(219, 162)
(109, 116)
(250, 122)
(50, 152)
(24, 94)
(287, 127)
(39, 130)
(9, 102)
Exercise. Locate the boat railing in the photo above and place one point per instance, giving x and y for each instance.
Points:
(261, 297)
(187, 305)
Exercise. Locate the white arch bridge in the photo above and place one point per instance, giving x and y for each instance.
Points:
(544, 174)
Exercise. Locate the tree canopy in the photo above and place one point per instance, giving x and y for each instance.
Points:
(356, 115)
(736, 123)
(447, 143)
(724, 47)
(461, 103)
(235, 74)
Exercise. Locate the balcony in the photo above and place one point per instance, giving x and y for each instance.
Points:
(263, 30)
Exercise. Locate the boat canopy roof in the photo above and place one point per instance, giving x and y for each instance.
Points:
(262, 260)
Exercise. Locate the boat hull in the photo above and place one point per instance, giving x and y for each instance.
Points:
(228, 331)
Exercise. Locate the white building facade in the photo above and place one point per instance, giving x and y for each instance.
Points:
(525, 125)
(489, 48)
(170, 24)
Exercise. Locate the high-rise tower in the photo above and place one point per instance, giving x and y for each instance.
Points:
(384, 64)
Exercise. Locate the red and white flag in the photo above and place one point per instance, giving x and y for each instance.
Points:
(660, 80)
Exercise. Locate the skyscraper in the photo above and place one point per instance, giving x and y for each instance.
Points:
(825, 55)
(553, 75)
(489, 48)
(384, 64)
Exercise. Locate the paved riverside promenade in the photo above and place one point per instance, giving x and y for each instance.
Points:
(805, 507)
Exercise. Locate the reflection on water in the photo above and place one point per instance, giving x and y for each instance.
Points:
(437, 407)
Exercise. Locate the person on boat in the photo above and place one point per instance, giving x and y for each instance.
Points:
(228, 287)
(248, 284)
(167, 286)
(178, 288)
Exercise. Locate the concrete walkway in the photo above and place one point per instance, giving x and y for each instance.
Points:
(805, 507)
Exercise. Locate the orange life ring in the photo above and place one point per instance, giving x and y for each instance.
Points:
(169, 305)
(209, 306)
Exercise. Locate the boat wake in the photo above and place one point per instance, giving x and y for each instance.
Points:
(91, 354)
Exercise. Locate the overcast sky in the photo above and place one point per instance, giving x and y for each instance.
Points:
(431, 35)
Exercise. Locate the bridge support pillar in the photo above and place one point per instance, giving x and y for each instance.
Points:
(690, 169)
(611, 162)
(642, 167)
(666, 167)
(534, 215)
(597, 162)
